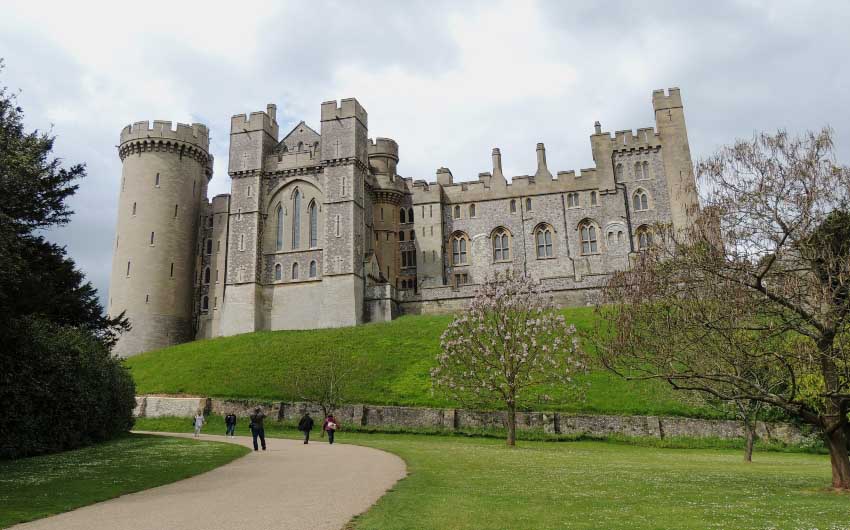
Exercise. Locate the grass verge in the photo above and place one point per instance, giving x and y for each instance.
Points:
(31, 488)
(398, 356)
(464, 483)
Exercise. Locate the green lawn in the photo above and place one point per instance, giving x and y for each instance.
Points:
(31, 488)
(399, 355)
(457, 483)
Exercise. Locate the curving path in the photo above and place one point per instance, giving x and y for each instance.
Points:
(290, 486)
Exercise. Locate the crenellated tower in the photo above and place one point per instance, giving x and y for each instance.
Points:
(163, 186)
(387, 195)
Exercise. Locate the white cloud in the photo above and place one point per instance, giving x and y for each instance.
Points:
(448, 80)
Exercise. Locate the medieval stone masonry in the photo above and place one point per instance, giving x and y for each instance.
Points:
(319, 230)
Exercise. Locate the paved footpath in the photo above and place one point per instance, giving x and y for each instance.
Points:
(290, 486)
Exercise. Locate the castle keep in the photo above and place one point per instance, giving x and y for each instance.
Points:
(320, 230)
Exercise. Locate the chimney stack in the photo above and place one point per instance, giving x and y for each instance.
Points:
(497, 163)
(542, 170)
(271, 110)
(597, 127)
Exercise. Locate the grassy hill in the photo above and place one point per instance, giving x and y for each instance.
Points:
(399, 355)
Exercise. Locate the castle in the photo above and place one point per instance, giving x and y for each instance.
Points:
(319, 230)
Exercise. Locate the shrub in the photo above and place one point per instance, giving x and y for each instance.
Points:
(60, 388)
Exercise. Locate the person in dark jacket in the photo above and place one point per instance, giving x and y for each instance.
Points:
(230, 423)
(257, 429)
(330, 426)
(305, 426)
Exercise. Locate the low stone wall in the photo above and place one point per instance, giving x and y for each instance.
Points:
(458, 419)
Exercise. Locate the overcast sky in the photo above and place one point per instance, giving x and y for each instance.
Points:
(448, 81)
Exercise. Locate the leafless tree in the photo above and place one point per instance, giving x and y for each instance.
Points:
(753, 300)
(325, 381)
(510, 341)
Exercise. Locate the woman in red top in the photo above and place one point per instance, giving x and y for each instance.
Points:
(330, 426)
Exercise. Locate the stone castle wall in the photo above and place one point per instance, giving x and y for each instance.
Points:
(388, 417)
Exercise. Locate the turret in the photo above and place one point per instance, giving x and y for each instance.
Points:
(163, 185)
(678, 167)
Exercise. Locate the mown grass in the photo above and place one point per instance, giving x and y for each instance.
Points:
(460, 483)
(31, 488)
(398, 356)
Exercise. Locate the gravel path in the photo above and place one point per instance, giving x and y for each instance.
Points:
(290, 486)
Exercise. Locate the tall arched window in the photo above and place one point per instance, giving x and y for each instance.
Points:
(638, 171)
(593, 198)
(413, 234)
(410, 215)
(619, 172)
(459, 244)
(644, 238)
(513, 205)
(296, 219)
(402, 216)
(279, 228)
(205, 303)
(278, 272)
(471, 210)
(646, 170)
(206, 276)
(587, 232)
(314, 224)
(209, 246)
(543, 239)
(294, 271)
(456, 212)
(501, 245)
(640, 200)
(401, 235)
(313, 269)
(528, 204)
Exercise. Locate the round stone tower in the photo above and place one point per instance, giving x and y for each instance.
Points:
(163, 187)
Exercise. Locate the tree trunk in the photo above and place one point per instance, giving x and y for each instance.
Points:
(511, 424)
(837, 443)
(749, 427)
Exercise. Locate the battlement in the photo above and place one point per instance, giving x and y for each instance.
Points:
(196, 134)
(347, 108)
(662, 101)
(256, 121)
(383, 147)
(644, 138)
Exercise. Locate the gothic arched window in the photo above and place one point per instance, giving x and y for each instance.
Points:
(644, 238)
(619, 173)
(402, 216)
(543, 240)
(640, 200)
(206, 276)
(501, 245)
(294, 271)
(471, 210)
(513, 205)
(314, 224)
(278, 272)
(587, 233)
(296, 219)
(401, 235)
(460, 242)
(279, 228)
(528, 204)
(410, 215)
(457, 212)
(313, 269)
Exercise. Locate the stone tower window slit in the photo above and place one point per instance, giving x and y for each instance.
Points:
(156, 180)
(207, 276)
(134, 208)
(176, 207)
(171, 274)
(209, 246)
(513, 205)
(313, 269)
(152, 238)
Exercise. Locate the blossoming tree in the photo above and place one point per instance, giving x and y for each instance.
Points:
(510, 342)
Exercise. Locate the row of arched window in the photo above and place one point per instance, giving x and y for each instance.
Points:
(641, 171)
(412, 235)
(405, 215)
(312, 219)
(543, 238)
(295, 272)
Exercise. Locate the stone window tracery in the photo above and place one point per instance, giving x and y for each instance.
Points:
(543, 240)
(640, 200)
(459, 244)
(501, 245)
(587, 234)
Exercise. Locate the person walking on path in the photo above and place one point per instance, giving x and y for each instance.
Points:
(305, 426)
(257, 429)
(330, 426)
(230, 422)
(198, 422)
